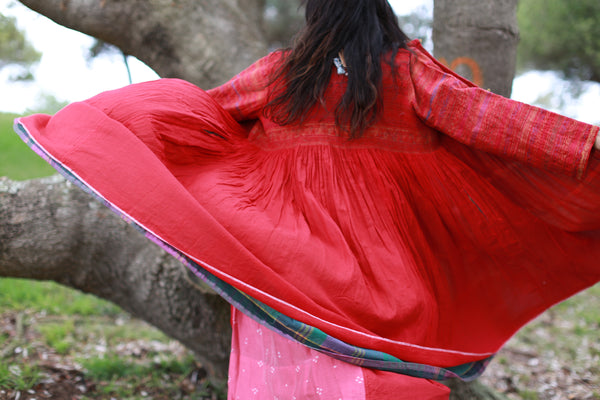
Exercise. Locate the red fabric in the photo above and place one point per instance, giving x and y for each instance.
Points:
(382, 385)
(458, 217)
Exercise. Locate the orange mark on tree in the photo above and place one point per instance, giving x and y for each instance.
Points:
(476, 73)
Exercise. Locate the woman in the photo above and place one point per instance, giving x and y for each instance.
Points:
(351, 194)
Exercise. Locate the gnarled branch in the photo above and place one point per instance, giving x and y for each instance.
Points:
(204, 42)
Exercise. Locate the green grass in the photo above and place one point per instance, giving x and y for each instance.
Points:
(50, 298)
(572, 320)
(17, 161)
(114, 366)
(126, 378)
(528, 395)
(116, 334)
(586, 312)
(120, 357)
(18, 377)
(59, 336)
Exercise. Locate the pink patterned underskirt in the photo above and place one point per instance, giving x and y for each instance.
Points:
(265, 365)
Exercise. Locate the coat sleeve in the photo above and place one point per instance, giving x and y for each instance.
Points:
(246, 94)
(495, 124)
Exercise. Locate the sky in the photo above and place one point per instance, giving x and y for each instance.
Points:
(64, 72)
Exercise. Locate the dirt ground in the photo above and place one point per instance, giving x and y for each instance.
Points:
(556, 357)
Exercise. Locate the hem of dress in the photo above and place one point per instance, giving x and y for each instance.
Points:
(303, 333)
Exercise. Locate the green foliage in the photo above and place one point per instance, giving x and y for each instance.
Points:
(15, 49)
(561, 35)
(17, 161)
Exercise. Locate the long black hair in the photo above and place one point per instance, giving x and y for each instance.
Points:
(363, 31)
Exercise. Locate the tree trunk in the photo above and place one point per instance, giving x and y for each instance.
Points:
(205, 42)
(51, 230)
(478, 39)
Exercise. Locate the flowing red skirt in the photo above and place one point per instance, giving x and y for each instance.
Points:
(434, 257)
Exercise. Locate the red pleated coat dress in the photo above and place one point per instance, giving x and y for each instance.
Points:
(457, 218)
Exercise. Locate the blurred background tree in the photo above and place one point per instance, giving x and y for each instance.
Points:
(561, 35)
(15, 50)
(282, 19)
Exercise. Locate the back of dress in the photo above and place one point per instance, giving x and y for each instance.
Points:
(429, 240)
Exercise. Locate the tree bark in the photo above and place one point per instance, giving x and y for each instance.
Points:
(205, 42)
(478, 39)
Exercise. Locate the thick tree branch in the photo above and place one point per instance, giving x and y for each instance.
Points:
(205, 42)
(52, 230)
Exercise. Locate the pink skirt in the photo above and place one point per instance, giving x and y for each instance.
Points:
(264, 365)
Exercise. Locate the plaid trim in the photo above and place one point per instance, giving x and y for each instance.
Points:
(267, 316)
